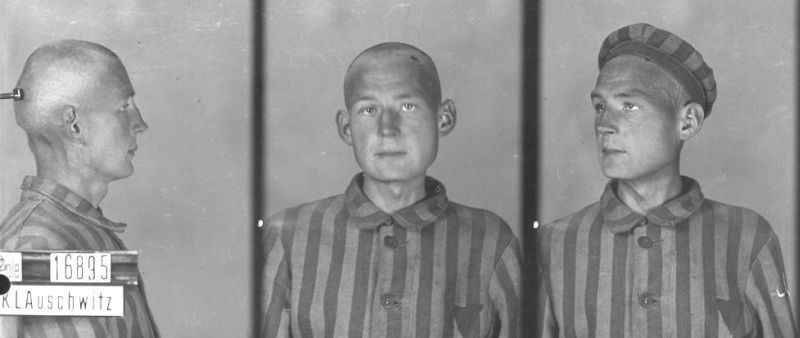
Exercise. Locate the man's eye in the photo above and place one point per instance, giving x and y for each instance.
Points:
(408, 107)
(630, 106)
(369, 110)
(127, 106)
(599, 108)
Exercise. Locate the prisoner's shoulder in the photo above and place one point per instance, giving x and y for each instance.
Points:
(588, 212)
(31, 225)
(740, 220)
(300, 217)
(487, 221)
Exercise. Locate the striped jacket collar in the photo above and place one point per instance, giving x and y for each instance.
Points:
(70, 201)
(621, 218)
(367, 216)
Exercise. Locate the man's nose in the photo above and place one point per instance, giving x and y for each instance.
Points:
(606, 124)
(138, 125)
(388, 121)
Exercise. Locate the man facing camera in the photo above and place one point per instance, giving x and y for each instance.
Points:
(392, 256)
(82, 123)
(654, 257)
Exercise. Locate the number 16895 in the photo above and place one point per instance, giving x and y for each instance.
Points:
(74, 267)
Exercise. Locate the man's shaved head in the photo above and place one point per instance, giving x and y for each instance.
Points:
(398, 56)
(395, 113)
(79, 113)
(60, 74)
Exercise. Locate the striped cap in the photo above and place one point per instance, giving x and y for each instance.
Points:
(669, 51)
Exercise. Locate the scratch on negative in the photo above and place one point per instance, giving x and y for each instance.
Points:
(385, 32)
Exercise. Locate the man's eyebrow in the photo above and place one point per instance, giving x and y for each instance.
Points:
(413, 94)
(631, 92)
(625, 93)
(362, 98)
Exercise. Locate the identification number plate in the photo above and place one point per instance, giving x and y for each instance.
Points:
(73, 267)
(63, 300)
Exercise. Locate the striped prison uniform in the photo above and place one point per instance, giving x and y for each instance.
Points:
(340, 267)
(692, 267)
(51, 217)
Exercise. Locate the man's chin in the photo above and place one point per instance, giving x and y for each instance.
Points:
(392, 177)
(122, 174)
(614, 172)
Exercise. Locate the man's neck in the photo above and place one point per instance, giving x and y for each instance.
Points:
(92, 190)
(644, 195)
(394, 195)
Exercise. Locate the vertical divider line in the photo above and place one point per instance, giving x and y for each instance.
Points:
(258, 146)
(530, 158)
(796, 185)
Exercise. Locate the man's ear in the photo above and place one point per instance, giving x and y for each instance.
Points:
(71, 124)
(691, 120)
(447, 117)
(343, 126)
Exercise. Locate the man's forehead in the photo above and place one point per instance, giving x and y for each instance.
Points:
(391, 73)
(621, 91)
(634, 74)
(376, 83)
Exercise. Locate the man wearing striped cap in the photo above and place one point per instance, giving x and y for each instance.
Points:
(81, 121)
(654, 257)
(392, 256)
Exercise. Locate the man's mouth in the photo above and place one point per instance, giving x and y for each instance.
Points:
(611, 151)
(390, 153)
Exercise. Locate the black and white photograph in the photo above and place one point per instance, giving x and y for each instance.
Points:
(398, 168)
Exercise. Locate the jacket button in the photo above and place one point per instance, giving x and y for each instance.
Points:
(388, 301)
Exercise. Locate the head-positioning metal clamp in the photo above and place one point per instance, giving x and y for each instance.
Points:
(16, 94)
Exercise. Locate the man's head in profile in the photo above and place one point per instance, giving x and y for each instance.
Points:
(79, 115)
(395, 114)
